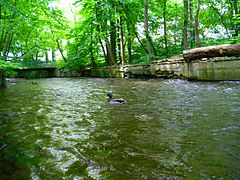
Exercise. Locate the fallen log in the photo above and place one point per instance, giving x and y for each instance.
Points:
(212, 51)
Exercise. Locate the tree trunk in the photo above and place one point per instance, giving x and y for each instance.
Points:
(98, 13)
(221, 17)
(185, 38)
(192, 39)
(175, 29)
(122, 54)
(129, 42)
(9, 35)
(0, 12)
(46, 56)
(110, 44)
(8, 45)
(93, 63)
(101, 43)
(53, 56)
(119, 46)
(2, 40)
(103, 49)
(110, 56)
(165, 27)
(148, 44)
(198, 41)
(113, 39)
(234, 12)
(61, 51)
(133, 30)
(212, 51)
(36, 56)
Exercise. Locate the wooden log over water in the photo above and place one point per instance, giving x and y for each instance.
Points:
(212, 51)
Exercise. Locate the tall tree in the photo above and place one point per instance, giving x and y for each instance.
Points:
(8, 22)
(121, 43)
(198, 41)
(129, 35)
(146, 30)
(135, 26)
(120, 33)
(165, 26)
(234, 12)
(185, 39)
(192, 36)
(26, 28)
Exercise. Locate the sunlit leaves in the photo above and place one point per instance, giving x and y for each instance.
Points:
(9, 7)
(34, 27)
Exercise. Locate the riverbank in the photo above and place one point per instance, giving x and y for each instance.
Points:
(215, 69)
(206, 69)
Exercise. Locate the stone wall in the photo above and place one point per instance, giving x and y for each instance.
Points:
(110, 72)
(214, 70)
(199, 70)
(34, 73)
(154, 70)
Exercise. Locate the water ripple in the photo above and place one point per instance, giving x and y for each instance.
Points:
(64, 128)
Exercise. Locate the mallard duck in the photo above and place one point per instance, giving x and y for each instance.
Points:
(114, 101)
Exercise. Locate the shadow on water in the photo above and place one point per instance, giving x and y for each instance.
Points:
(64, 128)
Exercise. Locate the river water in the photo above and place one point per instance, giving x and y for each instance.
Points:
(65, 129)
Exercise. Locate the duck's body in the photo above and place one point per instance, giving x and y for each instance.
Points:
(115, 101)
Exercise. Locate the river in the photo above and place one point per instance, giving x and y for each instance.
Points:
(65, 129)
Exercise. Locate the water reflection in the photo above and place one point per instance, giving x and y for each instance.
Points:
(63, 128)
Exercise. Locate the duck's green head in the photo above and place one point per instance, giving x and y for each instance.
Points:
(109, 95)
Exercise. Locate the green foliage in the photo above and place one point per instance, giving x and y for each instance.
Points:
(96, 23)
(236, 19)
(7, 67)
(30, 28)
(61, 64)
